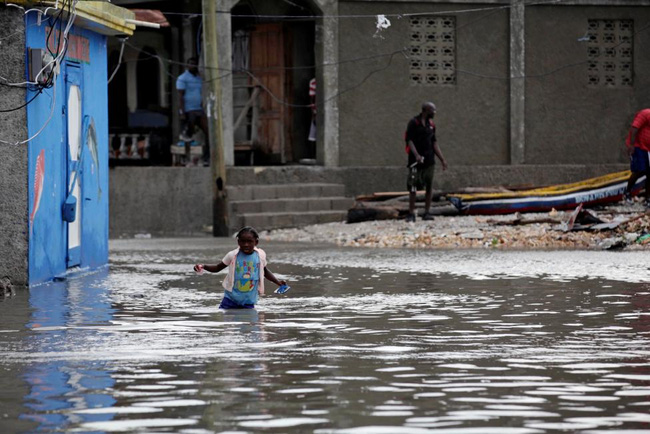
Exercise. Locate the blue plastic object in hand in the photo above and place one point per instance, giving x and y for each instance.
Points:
(282, 289)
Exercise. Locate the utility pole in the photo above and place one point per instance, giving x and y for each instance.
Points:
(215, 119)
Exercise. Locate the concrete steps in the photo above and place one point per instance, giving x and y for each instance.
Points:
(286, 205)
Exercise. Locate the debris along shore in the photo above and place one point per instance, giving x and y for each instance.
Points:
(620, 226)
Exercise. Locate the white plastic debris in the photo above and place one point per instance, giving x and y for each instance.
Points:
(382, 24)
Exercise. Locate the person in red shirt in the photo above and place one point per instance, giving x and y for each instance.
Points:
(638, 147)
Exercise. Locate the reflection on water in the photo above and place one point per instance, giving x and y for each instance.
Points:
(365, 342)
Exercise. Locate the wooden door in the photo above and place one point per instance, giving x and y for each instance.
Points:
(268, 62)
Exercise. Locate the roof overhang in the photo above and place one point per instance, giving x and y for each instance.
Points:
(152, 16)
(99, 16)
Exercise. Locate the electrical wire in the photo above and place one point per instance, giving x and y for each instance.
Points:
(552, 71)
(50, 81)
(49, 34)
(43, 126)
(271, 68)
(59, 54)
(391, 55)
(119, 60)
(492, 10)
(266, 89)
(336, 95)
(46, 122)
(326, 64)
(373, 16)
(24, 105)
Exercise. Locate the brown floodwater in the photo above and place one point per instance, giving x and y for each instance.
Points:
(366, 341)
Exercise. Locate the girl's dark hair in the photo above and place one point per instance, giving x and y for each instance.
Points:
(248, 230)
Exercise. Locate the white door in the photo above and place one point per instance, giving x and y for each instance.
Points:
(74, 117)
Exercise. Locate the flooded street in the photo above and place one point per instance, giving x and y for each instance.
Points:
(366, 341)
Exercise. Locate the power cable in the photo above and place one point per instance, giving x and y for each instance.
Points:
(461, 71)
(119, 60)
(59, 54)
(271, 68)
(336, 95)
(53, 104)
(50, 82)
(24, 105)
(394, 15)
(273, 96)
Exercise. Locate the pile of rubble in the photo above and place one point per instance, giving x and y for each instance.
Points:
(612, 227)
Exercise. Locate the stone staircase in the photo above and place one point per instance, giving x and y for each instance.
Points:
(286, 205)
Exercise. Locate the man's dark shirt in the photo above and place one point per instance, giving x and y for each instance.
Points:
(423, 136)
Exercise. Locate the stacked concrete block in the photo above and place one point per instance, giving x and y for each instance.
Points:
(287, 205)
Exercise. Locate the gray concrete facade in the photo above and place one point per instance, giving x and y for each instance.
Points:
(521, 95)
(567, 121)
(14, 229)
(327, 72)
(178, 201)
(520, 113)
(517, 83)
(378, 98)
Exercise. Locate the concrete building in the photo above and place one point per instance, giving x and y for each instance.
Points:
(494, 68)
(527, 93)
(54, 138)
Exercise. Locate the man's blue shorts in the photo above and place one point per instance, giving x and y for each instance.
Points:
(227, 303)
(639, 160)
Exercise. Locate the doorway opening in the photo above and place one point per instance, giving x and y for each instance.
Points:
(273, 47)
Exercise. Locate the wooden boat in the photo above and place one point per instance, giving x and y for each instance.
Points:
(590, 192)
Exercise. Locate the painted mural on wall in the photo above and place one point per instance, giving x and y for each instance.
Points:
(91, 143)
(78, 47)
(68, 159)
(38, 186)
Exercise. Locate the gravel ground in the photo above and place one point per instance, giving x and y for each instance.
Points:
(447, 232)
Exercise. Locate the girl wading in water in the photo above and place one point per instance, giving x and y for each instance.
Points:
(246, 272)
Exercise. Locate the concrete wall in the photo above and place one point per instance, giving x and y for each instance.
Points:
(178, 201)
(159, 200)
(551, 116)
(13, 158)
(364, 180)
(566, 120)
(494, 130)
(378, 98)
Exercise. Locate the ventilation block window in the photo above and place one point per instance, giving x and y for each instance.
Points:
(610, 53)
(432, 51)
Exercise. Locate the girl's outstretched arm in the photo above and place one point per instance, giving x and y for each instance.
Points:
(270, 276)
(211, 268)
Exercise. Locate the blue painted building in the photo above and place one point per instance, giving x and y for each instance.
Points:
(67, 130)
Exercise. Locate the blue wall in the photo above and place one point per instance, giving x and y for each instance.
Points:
(48, 239)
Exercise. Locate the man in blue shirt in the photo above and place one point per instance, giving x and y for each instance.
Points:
(190, 85)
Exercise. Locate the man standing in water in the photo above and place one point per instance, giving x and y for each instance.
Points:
(422, 148)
